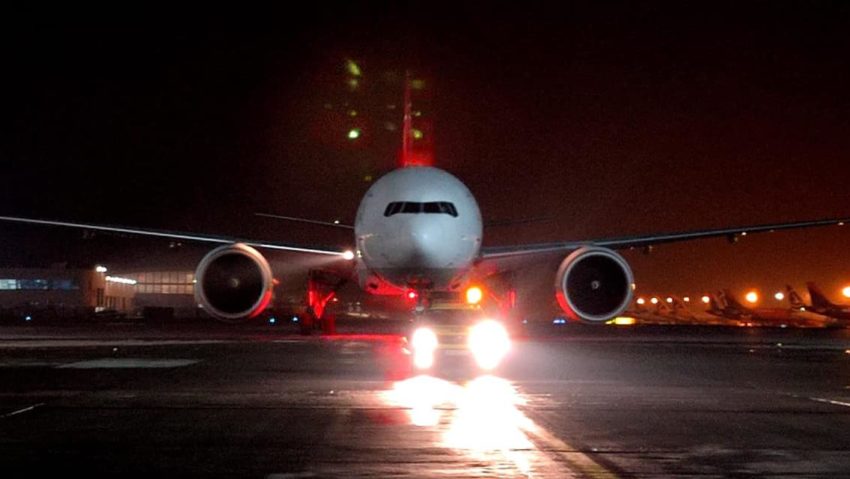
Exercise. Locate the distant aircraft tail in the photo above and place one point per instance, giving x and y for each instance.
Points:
(714, 306)
(731, 301)
(416, 143)
(680, 308)
(819, 300)
(794, 299)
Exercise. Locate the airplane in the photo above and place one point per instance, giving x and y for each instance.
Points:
(820, 303)
(795, 300)
(418, 232)
(783, 317)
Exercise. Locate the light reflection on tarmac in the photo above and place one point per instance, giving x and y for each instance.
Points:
(481, 419)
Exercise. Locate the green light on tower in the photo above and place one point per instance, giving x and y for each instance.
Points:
(354, 133)
(352, 67)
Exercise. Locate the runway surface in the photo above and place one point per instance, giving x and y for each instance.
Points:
(641, 402)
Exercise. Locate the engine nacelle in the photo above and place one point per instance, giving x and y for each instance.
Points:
(594, 284)
(234, 282)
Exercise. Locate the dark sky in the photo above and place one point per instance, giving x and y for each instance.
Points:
(612, 118)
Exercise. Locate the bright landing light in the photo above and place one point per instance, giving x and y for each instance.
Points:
(474, 295)
(348, 255)
(752, 297)
(424, 342)
(489, 343)
(846, 292)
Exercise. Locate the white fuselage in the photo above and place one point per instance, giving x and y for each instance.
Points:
(419, 228)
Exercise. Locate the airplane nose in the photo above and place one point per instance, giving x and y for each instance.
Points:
(428, 246)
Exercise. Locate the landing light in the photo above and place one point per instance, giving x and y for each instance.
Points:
(779, 296)
(846, 291)
(489, 343)
(641, 301)
(752, 297)
(669, 299)
(654, 300)
(706, 299)
(348, 255)
(424, 342)
(686, 299)
(100, 269)
(474, 295)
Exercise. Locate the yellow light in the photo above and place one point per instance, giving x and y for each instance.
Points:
(474, 295)
(352, 67)
(846, 291)
(641, 301)
(623, 321)
(354, 133)
(654, 300)
(706, 299)
(752, 297)
(779, 296)
(417, 134)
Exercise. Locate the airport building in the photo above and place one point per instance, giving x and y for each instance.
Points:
(63, 292)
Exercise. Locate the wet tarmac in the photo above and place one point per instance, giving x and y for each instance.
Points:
(604, 402)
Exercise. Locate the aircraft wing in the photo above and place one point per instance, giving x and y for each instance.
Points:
(181, 236)
(494, 252)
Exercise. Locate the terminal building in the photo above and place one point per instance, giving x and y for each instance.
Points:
(62, 292)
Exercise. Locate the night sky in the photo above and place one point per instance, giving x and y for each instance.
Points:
(613, 119)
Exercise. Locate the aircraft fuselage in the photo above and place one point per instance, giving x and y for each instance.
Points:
(416, 228)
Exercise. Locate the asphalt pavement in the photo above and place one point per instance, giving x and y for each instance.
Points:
(130, 400)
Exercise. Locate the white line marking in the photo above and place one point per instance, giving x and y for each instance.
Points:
(21, 411)
(830, 401)
(84, 343)
(128, 363)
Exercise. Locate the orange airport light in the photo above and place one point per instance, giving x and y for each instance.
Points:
(846, 291)
(474, 295)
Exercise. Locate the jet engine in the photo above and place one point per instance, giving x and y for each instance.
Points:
(233, 282)
(594, 284)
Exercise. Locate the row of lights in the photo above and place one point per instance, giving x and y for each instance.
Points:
(751, 297)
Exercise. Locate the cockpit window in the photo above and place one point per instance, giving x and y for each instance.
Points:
(438, 207)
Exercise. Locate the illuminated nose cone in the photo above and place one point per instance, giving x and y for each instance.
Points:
(428, 246)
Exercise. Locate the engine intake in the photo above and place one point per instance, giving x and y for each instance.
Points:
(594, 284)
(234, 282)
